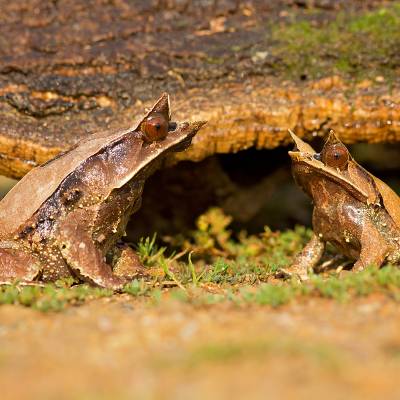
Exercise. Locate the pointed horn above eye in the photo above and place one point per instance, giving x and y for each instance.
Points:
(300, 144)
(162, 106)
(332, 138)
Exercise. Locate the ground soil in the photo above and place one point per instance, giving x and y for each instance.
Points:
(125, 348)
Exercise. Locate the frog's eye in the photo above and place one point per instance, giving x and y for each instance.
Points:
(335, 156)
(155, 127)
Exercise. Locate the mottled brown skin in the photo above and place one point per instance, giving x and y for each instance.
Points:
(81, 202)
(353, 210)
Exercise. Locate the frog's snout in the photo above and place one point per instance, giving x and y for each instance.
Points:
(185, 125)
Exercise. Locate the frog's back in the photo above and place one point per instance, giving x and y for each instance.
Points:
(39, 184)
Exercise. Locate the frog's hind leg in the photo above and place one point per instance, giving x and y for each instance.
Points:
(82, 255)
(374, 250)
(18, 266)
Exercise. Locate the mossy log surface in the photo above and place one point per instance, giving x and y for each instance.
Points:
(253, 69)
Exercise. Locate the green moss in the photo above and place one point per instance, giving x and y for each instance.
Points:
(49, 297)
(352, 45)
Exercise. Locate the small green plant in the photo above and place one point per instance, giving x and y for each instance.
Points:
(149, 253)
(218, 271)
(195, 278)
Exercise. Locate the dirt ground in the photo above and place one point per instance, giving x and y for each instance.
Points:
(121, 348)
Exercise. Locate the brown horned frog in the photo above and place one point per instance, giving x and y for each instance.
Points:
(65, 217)
(355, 211)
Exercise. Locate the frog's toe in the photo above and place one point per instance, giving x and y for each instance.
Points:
(128, 264)
(283, 273)
(112, 282)
(17, 265)
(303, 277)
(291, 273)
(286, 274)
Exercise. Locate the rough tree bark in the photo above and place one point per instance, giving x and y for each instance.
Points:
(70, 68)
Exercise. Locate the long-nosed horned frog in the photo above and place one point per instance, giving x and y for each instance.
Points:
(65, 217)
(355, 211)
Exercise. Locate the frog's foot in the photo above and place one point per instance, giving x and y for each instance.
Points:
(363, 263)
(337, 263)
(293, 272)
(18, 266)
(128, 264)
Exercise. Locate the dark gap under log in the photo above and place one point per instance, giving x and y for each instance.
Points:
(254, 187)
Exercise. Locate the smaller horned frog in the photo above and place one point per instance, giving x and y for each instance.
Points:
(65, 217)
(353, 210)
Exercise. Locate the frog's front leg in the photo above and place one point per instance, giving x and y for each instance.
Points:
(307, 259)
(127, 263)
(75, 241)
(17, 265)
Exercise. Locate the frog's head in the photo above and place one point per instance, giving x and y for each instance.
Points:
(157, 127)
(157, 137)
(333, 163)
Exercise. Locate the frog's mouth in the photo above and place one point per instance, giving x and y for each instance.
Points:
(304, 154)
